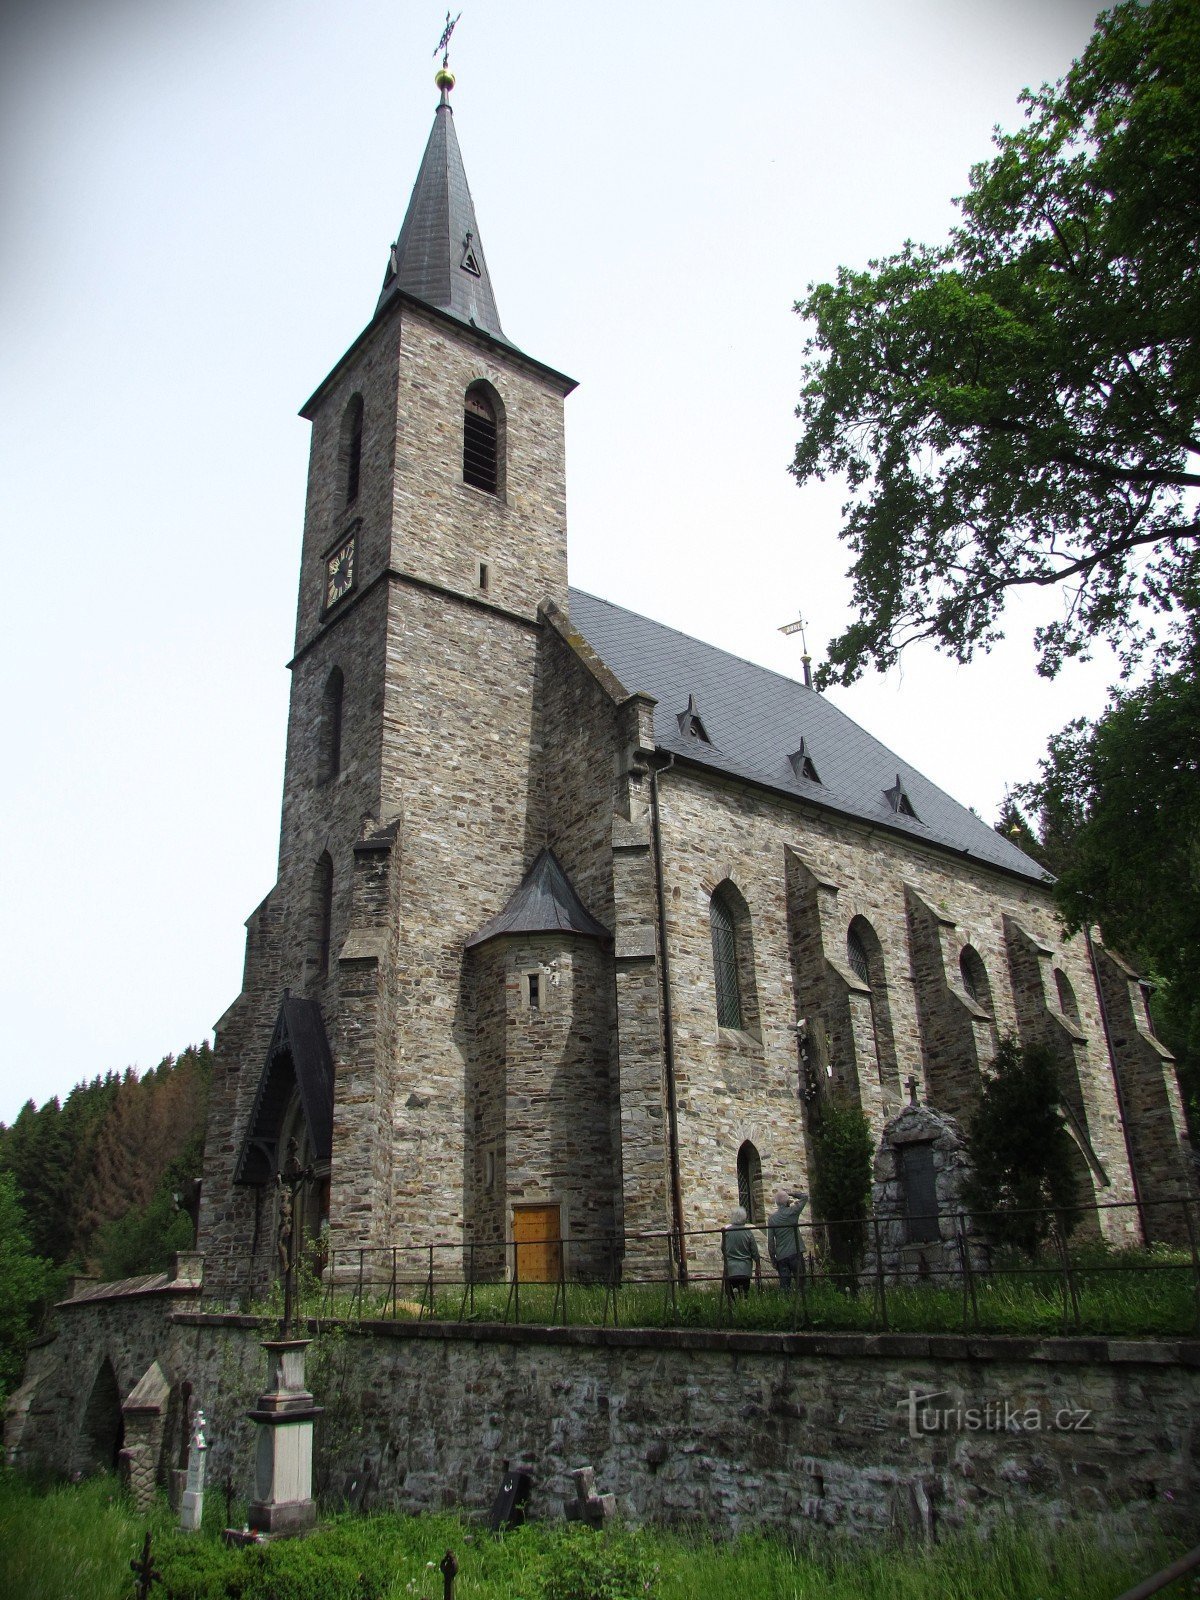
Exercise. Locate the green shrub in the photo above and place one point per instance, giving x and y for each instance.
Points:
(841, 1185)
(1022, 1157)
(582, 1563)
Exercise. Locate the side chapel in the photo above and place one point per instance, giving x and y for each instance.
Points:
(577, 916)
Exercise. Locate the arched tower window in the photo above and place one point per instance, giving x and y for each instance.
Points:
(749, 1181)
(725, 963)
(321, 913)
(481, 439)
(330, 758)
(1066, 996)
(974, 977)
(351, 447)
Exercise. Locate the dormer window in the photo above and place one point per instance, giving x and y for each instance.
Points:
(803, 765)
(897, 798)
(690, 724)
(480, 440)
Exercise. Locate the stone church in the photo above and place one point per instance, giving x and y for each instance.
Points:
(577, 918)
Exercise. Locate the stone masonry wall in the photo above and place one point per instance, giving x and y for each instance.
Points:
(791, 1433)
(736, 1087)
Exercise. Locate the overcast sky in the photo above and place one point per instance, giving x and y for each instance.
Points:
(197, 201)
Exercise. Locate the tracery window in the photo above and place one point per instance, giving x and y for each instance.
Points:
(725, 962)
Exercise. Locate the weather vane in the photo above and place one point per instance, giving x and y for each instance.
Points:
(798, 627)
(443, 43)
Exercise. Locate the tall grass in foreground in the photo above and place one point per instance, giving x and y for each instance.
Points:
(76, 1544)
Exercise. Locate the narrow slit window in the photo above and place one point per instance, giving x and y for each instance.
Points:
(352, 438)
(484, 576)
(480, 452)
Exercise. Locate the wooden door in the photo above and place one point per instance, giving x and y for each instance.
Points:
(538, 1240)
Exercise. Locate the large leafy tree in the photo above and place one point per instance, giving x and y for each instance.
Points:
(1020, 407)
(1118, 803)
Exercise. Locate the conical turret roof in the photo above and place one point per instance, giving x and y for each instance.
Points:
(544, 902)
(438, 257)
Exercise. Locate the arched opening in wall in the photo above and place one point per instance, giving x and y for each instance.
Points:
(321, 914)
(483, 439)
(102, 1431)
(864, 953)
(350, 448)
(329, 759)
(1067, 1002)
(974, 977)
(749, 1182)
(733, 960)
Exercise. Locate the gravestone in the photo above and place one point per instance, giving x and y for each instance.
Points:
(191, 1510)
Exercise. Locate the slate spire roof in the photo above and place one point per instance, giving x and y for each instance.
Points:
(438, 257)
(544, 902)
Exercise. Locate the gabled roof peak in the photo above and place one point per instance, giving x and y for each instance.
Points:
(438, 257)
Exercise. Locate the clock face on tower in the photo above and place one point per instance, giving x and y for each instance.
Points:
(339, 572)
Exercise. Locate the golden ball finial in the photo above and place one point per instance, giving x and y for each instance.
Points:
(444, 78)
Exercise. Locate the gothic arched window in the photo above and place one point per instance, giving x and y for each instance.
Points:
(856, 954)
(1066, 996)
(725, 962)
(749, 1181)
(481, 439)
(974, 976)
(330, 757)
(351, 447)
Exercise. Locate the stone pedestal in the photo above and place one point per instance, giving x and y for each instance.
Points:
(283, 1502)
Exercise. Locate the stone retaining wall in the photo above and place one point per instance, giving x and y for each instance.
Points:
(727, 1430)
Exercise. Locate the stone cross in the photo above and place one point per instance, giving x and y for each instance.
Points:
(910, 1083)
(448, 1567)
(145, 1572)
(191, 1510)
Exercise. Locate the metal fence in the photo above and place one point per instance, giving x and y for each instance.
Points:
(864, 1273)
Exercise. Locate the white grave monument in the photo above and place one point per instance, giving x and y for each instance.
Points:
(191, 1509)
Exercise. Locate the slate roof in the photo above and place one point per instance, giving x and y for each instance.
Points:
(755, 720)
(438, 257)
(297, 1057)
(545, 902)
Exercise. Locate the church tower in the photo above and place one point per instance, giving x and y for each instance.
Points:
(435, 528)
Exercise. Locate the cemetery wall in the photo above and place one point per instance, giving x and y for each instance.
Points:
(726, 1430)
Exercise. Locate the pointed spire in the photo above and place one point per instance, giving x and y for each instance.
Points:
(438, 257)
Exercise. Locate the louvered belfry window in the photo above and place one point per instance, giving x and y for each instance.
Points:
(479, 442)
(729, 1000)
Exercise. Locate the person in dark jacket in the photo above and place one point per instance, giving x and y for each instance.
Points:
(739, 1252)
(784, 1244)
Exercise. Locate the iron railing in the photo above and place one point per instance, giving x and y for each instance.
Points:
(860, 1273)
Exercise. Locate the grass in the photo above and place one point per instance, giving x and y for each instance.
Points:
(75, 1543)
(1117, 1293)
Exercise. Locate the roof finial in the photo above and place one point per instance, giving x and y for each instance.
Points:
(444, 78)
